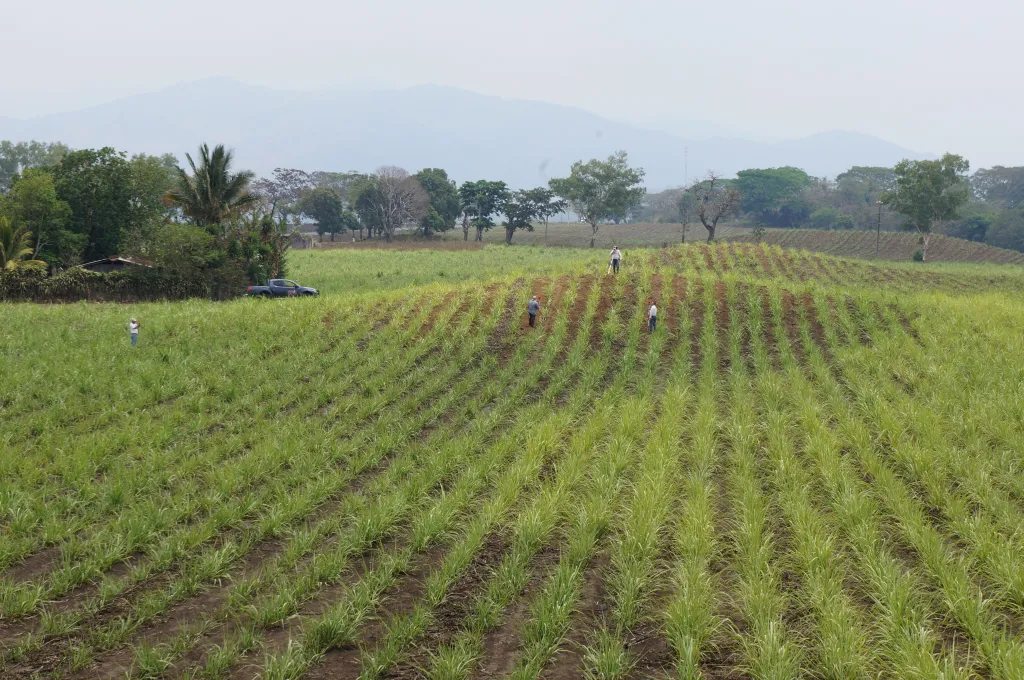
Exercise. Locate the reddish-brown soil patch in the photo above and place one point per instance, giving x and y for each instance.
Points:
(696, 324)
(538, 287)
(556, 303)
(604, 303)
(858, 320)
(34, 566)
(401, 599)
(693, 259)
(817, 329)
(722, 321)
(452, 614)
(428, 325)
(501, 645)
(766, 266)
(791, 322)
(833, 319)
(780, 263)
(709, 261)
(497, 342)
(742, 312)
(768, 331)
(593, 608)
(579, 304)
(905, 322)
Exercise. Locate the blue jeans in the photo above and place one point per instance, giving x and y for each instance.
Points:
(615, 266)
(652, 324)
(135, 338)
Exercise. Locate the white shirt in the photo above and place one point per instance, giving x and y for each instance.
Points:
(134, 327)
(653, 311)
(616, 255)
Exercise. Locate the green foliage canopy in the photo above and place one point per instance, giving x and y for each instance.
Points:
(481, 200)
(928, 193)
(212, 193)
(772, 195)
(99, 187)
(601, 190)
(445, 206)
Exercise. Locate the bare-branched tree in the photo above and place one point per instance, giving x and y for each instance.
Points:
(713, 199)
(390, 199)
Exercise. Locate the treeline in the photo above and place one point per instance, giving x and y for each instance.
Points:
(992, 210)
(200, 231)
(382, 202)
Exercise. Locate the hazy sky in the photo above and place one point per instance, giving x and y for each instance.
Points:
(931, 75)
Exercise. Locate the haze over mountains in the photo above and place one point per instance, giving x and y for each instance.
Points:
(470, 135)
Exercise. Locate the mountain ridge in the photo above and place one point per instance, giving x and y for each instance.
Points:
(472, 135)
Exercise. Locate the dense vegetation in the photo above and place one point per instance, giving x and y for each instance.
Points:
(811, 468)
(991, 210)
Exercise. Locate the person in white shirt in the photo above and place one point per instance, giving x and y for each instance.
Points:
(652, 316)
(616, 256)
(133, 328)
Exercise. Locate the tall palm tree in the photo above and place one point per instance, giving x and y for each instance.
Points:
(211, 194)
(15, 244)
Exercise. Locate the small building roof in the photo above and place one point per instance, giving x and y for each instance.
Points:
(115, 260)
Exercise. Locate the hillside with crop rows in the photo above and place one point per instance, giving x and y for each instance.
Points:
(891, 245)
(811, 468)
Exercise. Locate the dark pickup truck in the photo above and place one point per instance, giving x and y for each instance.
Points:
(281, 288)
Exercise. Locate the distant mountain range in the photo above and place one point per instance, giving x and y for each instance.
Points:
(470, 135)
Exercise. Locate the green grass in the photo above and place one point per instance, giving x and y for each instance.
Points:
(814, 468)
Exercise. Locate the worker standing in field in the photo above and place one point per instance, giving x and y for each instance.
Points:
(616, 256)
(652, 316)
(133, 329)
(533, 308)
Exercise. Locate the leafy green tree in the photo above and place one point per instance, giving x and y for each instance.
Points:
(340, 182)
(15, 244)
(326, 207)
(153, 177)
(864, 185)
(212, 193)
(445, 206)
(520, 210)
(972, 227)
(844, 221)
(823, 218)
(773, 195)
(1007, 230)
(368, 197)
(929, 193)
(546, 205)
(601, 190)
(480, 201)
(830, 218)
(1001, 186)
(179, 246)
(33, 203)
(16, 157)
(99, 187)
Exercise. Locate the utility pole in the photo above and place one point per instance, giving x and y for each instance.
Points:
(878, 231)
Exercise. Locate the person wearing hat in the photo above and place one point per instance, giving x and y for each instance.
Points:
(652, 316)
(616, 256)
(133, 328)
(533, 308)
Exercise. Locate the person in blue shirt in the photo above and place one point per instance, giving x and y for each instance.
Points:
(533, 308)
